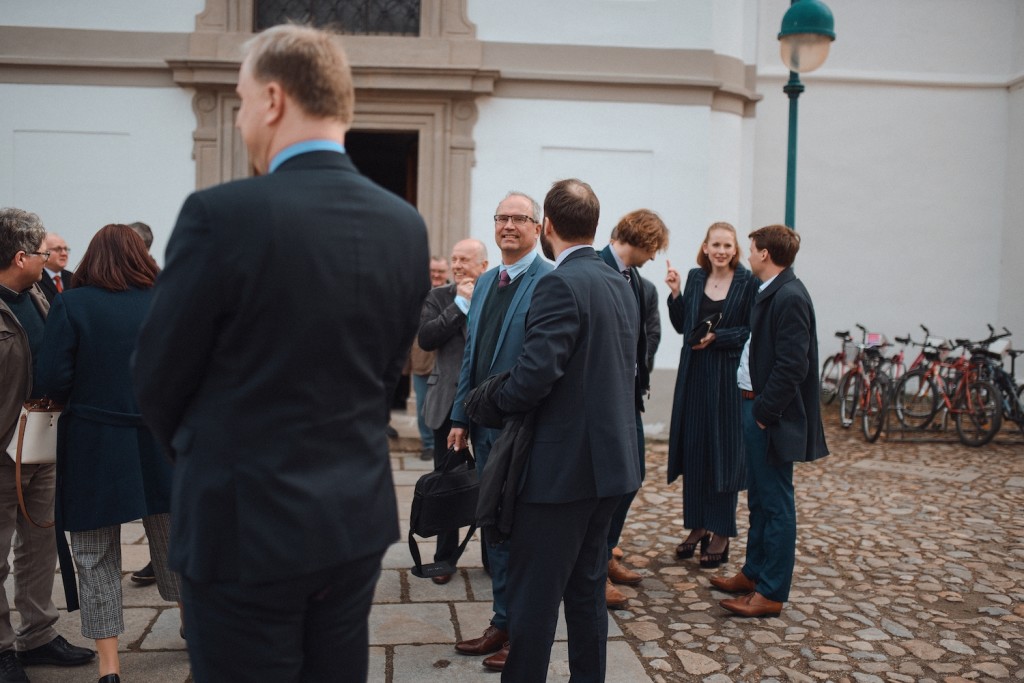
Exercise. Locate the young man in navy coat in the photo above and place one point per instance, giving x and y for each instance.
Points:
(781, 413)
(576, 371)
(267, 375)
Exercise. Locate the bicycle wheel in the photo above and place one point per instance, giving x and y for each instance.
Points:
(830, 376)
(979, 413)
(876, 406)
(916, 400)
(850, 388)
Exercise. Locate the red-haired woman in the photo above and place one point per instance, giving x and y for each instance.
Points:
(705, 440)
(109, 470)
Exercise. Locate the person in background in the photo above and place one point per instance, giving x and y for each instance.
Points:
(421, 365)
(109, 469)
(494, 338)
(144, 231)
(577, 373)
(56, 277)
(780, 389)
(443, 331)
(635, 240)
(23, 310)
(146, 575)
(705, 438)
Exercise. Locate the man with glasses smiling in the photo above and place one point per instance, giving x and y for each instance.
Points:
(56, 278)
(23, 310)
(496, 329)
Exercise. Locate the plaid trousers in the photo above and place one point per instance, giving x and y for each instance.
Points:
(98, 558)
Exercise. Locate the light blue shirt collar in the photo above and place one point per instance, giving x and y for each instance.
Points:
(575, 247)
(303, 147)
(519, 267)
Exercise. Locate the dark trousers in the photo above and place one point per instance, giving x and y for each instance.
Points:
(771, 541)
(619, 516)
(309, 628)
(497, 555)
(558, 553)
(447, 541)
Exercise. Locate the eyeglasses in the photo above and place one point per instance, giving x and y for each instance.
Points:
(61, 250)
(44, 254)
(502, 219)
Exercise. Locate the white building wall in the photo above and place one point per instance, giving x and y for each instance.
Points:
(108, 15)
(620, 23)
(82, 157)
(902, 196)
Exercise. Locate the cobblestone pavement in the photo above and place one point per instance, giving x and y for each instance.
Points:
(910, 567)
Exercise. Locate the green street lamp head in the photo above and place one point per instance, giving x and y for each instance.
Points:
(807, 33)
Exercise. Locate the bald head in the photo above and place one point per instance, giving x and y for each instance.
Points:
(469, 259)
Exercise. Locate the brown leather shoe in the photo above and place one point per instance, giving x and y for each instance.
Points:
(613, 597)
(739, 583)
(752, 605)
(441, 580)
(622, 575)
(491, 641)
(617, 553)
(496, 662)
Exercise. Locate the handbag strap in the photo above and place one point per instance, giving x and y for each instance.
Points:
(442, 568)
(22, 424)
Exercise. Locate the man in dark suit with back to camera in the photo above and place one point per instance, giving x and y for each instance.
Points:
(443, 330)
(577, 372)
(267, 377)
(781, 412)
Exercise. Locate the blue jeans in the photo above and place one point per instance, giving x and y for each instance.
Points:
(771, 541)
(419, 387)
(497, 555)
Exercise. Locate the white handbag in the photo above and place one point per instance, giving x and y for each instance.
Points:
(34, 444)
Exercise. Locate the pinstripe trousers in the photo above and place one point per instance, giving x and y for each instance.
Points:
(98, 559)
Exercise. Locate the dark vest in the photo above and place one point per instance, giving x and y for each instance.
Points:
(492, 315)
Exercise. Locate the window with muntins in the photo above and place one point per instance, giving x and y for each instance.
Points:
(363, 17)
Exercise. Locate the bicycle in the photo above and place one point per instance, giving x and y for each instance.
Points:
(989, 357)
(974, 403)
(834, 367)
(866, 362)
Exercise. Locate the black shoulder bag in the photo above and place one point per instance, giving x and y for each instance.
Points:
(444, 500)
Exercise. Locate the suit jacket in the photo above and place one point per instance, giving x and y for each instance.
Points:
(510, 340)
(15, 366)
(643, 375)
(277, 334)
(442, 329)
(49, 288)
(652, 324)
(784, 370)
(578, 369)
(109, 469)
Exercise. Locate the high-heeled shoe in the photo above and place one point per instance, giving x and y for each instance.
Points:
(712, 560)
(110, 678)
(685, 551)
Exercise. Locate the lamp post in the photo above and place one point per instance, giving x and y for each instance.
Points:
(804, 40)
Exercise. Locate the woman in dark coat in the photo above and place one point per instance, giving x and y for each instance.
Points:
(109, 470)
(705, 441)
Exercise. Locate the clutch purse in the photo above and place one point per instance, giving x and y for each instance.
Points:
(702, 329)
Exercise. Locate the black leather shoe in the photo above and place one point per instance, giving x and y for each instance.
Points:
(110, 678)
(144, 576)
(58, 652)
(10, 669)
